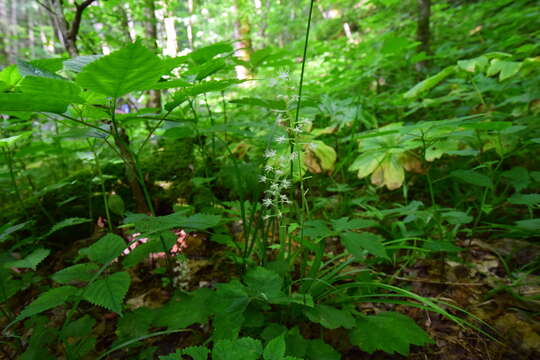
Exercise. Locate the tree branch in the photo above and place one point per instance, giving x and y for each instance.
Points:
(76, 24)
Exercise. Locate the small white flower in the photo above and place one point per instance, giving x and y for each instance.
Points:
(285, 184)
(281, 139)
(297, 129)
(282, 158)
(294, 155)
(266, 217)
(284, 198)
(274, 186)
(267, 202)
(269, 153)
(268, 168)
(263, 178)
(279, 172)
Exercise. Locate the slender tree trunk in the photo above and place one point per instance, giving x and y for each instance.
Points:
(31, 35)
(4, 32)
(423, 33)
(242, 36)
(189, 26)
(67, 33)
(150, 25)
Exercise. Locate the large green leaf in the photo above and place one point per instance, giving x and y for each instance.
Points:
(109, 292)
(131, 68)
(263, 282)
(48, 300)
(105, 249)
(472, 177)
(55, 88)
(356, 243)
(389, 331)
(275, 349)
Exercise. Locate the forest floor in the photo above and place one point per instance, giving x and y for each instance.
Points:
(479, 284)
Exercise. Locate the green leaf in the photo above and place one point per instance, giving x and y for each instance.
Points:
(525, 199)
(330, 317)
(66, 223)
(186, 310)
(131, 68)
(356, 243)
(116, 204)
(80, 327)
(316, 229)
(78, 63)
(505, 69)
(8, 229)
(266, 103)
(472, 177)
(153, 245)
(28, 69)
(344, 224)
(529, 224)
(105, 250)
(429, 83)
(196, 352)
(472, 65)
(206, 53)
(319, 350)
(240, 349)
(9, 76)
(518, 177)
(109, 292)
(48, 300)
(31, 261)
(32, 102)
(263, 282)
(55, 88)
(275, 349)
(201, 221)
(78, 272)
(8, 286)
(389, 331)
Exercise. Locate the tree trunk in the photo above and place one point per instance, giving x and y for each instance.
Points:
(4, 33)
(189, 26)
(423, 34)
(242, 37)
(150, 26)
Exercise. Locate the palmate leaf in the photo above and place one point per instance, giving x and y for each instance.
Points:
(31, 261)
(389, 331)
(356, 243)
(330, 317)
(109, 292)
(48, 300)
(131, 68)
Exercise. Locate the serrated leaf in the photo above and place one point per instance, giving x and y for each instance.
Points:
(65, 223)
(78, 63)
(55, 88)
(196, 352)
(109, 292)
(181, 312)
(389, 331)
(518, 177)
(356, 243)
(201, 221)
(105, 250)
(48, 300)
(80, 327)
(275, 349)
(135, 323)
(330, 317)
(240, 349)
(78, 272)
(30, 261)
(319, 350)
(153, 245)
(472, 177)
(263, 282)
(131, 68)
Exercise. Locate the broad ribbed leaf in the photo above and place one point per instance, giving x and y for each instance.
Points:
(472, 177)
(79, 272)
(31, 261)
(105, 249)
(275, 349)
(48, 300)
(263, 282)
(330, 317)
(131, 68)
(55, 88)
(356, 243)
(390, 332)
(109, 292)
